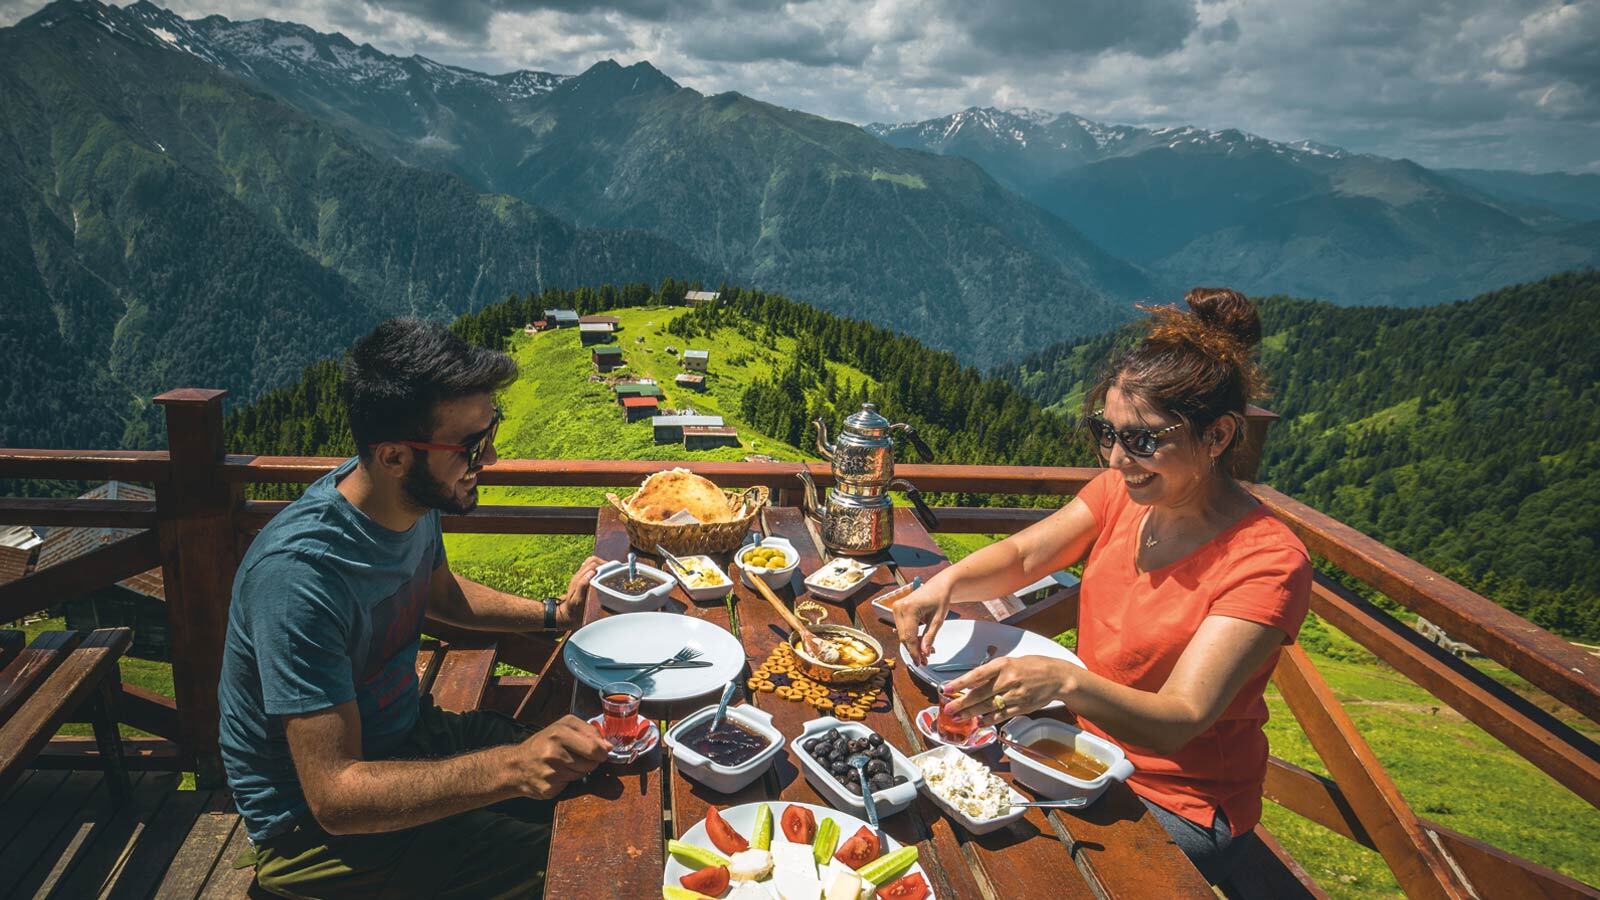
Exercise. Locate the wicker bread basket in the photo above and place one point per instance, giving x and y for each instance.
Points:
(691, 539)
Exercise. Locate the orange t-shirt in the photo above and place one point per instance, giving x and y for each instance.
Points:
(1133, 626)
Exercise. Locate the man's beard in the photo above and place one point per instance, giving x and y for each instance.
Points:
(429, 493)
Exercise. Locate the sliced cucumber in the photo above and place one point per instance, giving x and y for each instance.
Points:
(887, 868)
(762, 839)
(695, 857)
(827, 841)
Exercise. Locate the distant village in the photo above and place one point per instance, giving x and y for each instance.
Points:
(641, 398)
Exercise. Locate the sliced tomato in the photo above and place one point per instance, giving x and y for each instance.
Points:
(799, 825)
(911, 887)
(723, 836)
(861, 849)
(712, 880)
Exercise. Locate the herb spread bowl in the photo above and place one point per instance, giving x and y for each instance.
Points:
(617, 600)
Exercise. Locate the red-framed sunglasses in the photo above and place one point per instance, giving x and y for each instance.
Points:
(473, 445)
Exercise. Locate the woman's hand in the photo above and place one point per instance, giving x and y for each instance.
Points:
(1023, 684)
(925, 605)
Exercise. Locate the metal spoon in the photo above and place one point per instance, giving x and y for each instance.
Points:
(1074, 803)
(859, 763)
(722, 708)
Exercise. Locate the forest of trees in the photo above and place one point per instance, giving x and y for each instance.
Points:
(1467, 435)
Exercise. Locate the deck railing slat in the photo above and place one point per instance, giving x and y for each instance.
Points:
(1554, 664)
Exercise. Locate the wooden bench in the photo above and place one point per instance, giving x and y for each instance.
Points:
(48, 681)
(456, 673)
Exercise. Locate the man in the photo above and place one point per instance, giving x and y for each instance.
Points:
(350, 782)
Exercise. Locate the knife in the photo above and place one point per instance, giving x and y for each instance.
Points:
(690, 664)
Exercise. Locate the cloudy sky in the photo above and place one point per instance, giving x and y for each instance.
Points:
(1484, 83)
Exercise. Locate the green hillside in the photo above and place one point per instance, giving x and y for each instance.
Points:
(163, 223)
(1466, 435)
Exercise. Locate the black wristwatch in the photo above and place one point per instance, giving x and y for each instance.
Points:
(550, 604)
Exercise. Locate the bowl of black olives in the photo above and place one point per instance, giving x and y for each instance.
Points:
(824, 749)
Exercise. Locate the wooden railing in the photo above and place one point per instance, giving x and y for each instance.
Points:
(200, 522)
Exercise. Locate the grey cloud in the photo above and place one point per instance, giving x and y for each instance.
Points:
(1144, 27)
(800, 42)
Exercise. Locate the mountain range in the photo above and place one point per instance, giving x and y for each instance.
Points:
(1194, 206)
(217, 202)
(764, 194)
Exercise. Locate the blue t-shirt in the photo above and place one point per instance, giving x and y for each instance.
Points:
(327, 608)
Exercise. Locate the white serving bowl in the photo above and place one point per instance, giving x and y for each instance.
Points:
(709, 592)
(891, 801)
(775, 578)
(838, 595)
(1052, 783)
(718, 777)
(975, 826)
(616, 601)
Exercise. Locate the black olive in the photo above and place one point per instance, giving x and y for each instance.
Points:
(900, 779)
(881, 751)
(875, 739)
(859, 745)
(853, 786)
(876, 767)
(812, 745)
(880, 782)
(839, 769)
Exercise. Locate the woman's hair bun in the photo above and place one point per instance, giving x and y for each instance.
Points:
(1226, 310)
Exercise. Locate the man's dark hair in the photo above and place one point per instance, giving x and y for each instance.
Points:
(394, 377)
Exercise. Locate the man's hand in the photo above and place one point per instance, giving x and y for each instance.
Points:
(557, 756)
(569, 613)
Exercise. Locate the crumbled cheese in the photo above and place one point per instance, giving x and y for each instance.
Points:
(967, 784)
(839, 574)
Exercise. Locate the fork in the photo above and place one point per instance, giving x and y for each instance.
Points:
(683, 655)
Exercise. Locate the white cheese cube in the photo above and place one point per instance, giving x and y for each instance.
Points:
(788, 856)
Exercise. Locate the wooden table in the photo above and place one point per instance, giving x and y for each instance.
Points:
(610, 831)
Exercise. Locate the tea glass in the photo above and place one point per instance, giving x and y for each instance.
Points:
(620, 722)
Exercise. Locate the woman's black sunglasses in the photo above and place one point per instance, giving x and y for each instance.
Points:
(1137, 441)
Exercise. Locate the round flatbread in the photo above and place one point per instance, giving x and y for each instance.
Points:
(665, 494)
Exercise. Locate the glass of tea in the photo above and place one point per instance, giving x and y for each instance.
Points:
(954, 728)
(620, 723)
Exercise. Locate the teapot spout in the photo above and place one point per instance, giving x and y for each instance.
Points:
(809, 504)
(824, 446)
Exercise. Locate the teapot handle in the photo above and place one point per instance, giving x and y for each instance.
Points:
(924, 512)
(917, 442)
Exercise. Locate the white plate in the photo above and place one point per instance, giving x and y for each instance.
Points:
(650, 637)
(965, 640)
(743, 820)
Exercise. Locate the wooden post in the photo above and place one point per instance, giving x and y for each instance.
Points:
(1247, 455)
(199, 541)
(1419, 864)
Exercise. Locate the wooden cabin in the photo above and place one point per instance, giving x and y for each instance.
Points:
(696, 360)
(700, 298)
(606, 357)
(707, 437)
(669, 429)
(62, 833)
(561, 318)
(693, 381)
(591, 333)
(636, 408)
(137, 602)
(634, 389)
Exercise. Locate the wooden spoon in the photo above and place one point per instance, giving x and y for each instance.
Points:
(812, 642)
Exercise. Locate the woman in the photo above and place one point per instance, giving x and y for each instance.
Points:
(1190, 588)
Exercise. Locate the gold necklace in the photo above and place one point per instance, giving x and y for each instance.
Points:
(1150, 539)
